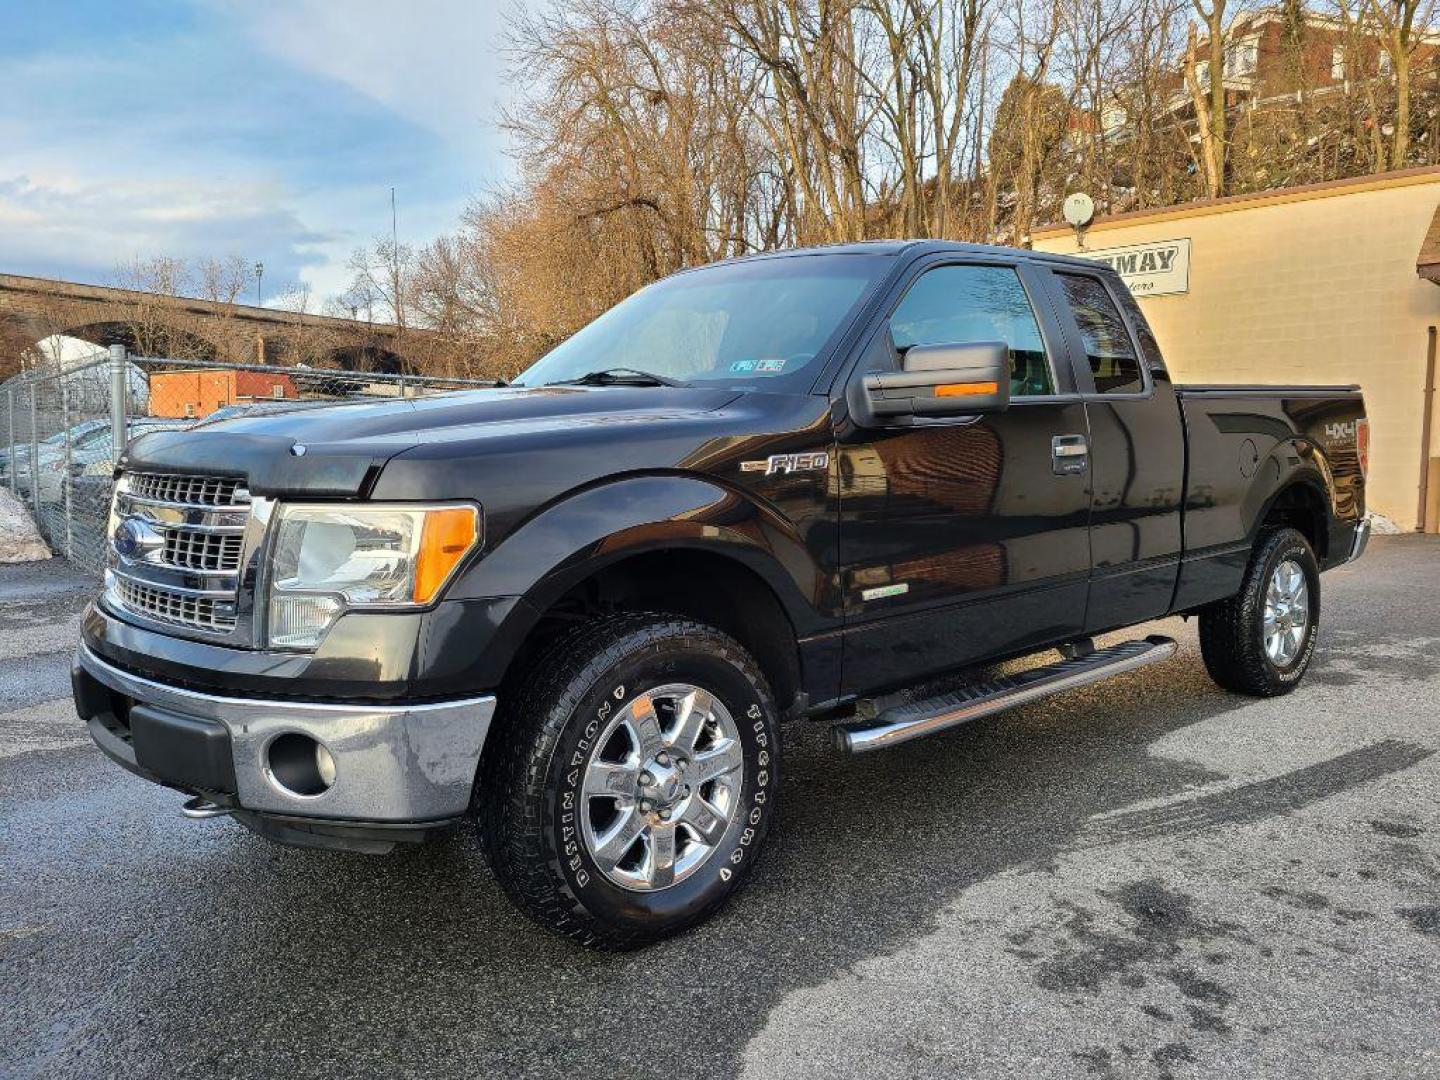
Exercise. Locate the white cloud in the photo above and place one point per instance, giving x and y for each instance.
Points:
(272, 129)
(89, 227)
(437, 63)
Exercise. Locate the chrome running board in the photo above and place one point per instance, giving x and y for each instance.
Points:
(917, 719)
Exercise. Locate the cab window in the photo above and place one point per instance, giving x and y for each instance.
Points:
(956, 305)
(1108, 347)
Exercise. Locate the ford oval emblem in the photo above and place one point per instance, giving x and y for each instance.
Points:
(134, 539)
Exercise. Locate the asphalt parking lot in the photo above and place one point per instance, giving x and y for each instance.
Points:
(1146, 878)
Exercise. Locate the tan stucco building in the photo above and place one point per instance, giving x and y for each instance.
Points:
(1315, 284)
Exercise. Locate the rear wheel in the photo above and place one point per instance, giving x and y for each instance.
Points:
(1260, 641)
(635, 779)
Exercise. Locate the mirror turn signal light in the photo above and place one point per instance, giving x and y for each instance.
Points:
(966, 389)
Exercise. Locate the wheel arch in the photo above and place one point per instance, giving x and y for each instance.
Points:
(677, 544)
(689, 580)
(1302, 501)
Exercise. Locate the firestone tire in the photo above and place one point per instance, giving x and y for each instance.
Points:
(1233, 633)
(535, 785)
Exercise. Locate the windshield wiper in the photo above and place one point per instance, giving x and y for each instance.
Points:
(616, 376)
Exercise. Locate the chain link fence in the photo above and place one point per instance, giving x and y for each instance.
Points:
(58, 425)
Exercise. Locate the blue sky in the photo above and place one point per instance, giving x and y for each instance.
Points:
(268, 129)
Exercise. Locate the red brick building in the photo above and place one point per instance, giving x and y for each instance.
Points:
(1262, 63)
(199, 392)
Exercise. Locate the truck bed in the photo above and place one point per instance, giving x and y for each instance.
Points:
(1246, 442)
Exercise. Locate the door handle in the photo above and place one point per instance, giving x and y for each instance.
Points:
(1069, 454)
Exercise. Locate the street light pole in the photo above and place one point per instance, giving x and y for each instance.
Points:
(259, 274)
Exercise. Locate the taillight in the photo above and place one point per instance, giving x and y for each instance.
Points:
(1362, 445)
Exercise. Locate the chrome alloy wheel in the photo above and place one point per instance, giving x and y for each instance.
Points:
(1287, 613)
(661, 786)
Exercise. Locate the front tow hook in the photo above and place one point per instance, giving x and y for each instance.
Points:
(199, 808)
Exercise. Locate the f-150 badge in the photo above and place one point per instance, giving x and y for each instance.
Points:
(788, 463)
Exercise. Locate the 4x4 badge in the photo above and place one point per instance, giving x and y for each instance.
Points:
(788, 463)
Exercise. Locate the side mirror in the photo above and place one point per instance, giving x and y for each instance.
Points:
(942, 380)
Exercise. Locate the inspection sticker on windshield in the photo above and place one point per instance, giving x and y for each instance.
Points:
(770, 365)
(743, 365)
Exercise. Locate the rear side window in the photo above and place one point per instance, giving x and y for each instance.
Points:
(1149, 347)
(957, 305)
(1107, 343)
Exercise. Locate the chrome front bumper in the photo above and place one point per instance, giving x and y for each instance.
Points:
(393, 763)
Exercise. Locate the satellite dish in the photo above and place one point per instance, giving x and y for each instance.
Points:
(1079, 209)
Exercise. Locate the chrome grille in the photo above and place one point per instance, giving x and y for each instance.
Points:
(184, 551)
(201, 612)
(189, 490)
(190, 550)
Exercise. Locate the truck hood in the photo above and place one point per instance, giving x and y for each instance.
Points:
(330, 451)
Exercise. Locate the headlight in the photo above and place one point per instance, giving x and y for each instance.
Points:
(326, 560)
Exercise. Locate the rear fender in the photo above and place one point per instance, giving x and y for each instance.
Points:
(1292, 462)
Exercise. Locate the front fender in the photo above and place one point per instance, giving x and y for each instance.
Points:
(587, 530)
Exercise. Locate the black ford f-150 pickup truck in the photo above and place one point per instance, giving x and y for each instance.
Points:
(837, 484)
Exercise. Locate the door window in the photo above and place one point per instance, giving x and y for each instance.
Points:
(1107, 343)
(956, 305)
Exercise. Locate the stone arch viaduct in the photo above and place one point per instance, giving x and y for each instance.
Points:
(151, 324)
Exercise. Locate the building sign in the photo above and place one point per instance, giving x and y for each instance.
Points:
(1157, 269)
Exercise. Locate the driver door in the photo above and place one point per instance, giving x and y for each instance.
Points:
(967, 537)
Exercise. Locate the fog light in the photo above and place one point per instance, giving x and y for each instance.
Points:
(325, 764)
(299, 765)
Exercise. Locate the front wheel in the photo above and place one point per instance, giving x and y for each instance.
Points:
(635, 779)
(1260, 641)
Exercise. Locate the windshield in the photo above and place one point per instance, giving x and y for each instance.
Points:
(93, 436)
(753, 323)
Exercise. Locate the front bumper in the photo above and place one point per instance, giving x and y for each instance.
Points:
(394, 763)
(1361, 539)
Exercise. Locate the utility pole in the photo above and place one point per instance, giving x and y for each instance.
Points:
(395, 283)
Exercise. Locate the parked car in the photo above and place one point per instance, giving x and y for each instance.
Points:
(801, 485)
(45, 449)
(93, 453)
(261, 408)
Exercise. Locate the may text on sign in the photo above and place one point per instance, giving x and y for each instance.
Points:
(1155, 269)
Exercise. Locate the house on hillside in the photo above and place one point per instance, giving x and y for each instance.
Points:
(1268, 58)
(1268, 62)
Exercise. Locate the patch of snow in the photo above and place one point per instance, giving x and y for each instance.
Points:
(19, 539)
(1380, 525)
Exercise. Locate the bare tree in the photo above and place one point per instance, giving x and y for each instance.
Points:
(1209, 92)
(1400, 26)
(221, 280)
(1211, 151)
(659, 134)
(381, 278)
